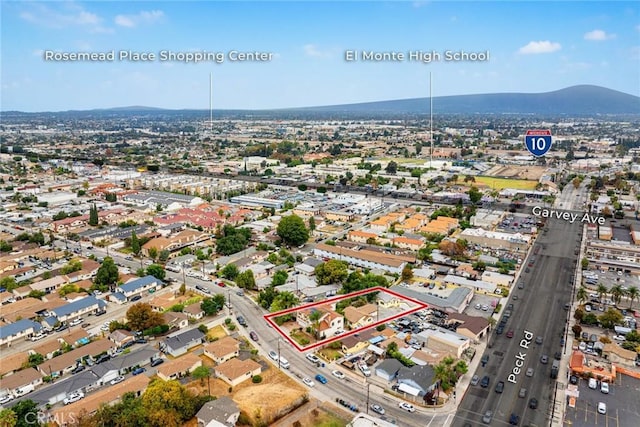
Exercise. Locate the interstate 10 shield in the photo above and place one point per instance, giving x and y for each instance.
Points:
(538, 142)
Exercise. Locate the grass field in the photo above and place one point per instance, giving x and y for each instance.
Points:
(502, 183)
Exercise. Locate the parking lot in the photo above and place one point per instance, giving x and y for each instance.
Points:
(622, 405)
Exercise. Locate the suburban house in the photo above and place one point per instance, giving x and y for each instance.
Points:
(87, 305)
(358, 317)
(472, 327)
(67, 361)
(194, 311)
(67, 415)
(176, 320)
(179, 344)
(222, 412)
(222, 350)
(47, 349)
(13, 363)
(21, 382)
(49, 285)
(328, 323)
(75, 338)
(417, 380)
(352, 345)
(139, 286)
(120, 337)
(236, 371)
(89, 269)
(180, 367)
(389, 301)
(388, 369)
(17, 330)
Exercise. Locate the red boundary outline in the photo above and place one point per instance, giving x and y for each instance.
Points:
(268, 317)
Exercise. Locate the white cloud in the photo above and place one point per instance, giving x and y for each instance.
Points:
(144, 17)
(539, 47)
(313, 51)
(64, 15)
(598, 35)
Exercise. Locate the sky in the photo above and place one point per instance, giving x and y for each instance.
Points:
(532, 47)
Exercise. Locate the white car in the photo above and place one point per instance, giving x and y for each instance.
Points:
(593, 384)
(73, 397)
(478, 306)
(604, 387)
(117, 380)
(364, 369)
(407, 406)
(582, 346)
(312, 358)
(273, 355)
(75, 322)
(377, 409)
(4, 399)
(308, 381)
(602, 408)
(338, 374)
(619, 338)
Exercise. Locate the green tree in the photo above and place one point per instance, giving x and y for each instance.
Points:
(72, 266)
(156, 271)
(582, 294)
(266, 297)
(5, 247)
(93, 215)
(392, 168)
(279, 278)
(135, 243)
(200, 373)
(475, 195)
(168, 403)
(633, 293)
(141, 316)
(163, 256)
(407, 274)
(107, 274)
(211, 306)
(292, 231)
(246, 280)
(284, 300)
(332, 271)
(312, 223)
(601, 290)
(229, 271)
(153, 253)
(35, 359)
(183, 288)
(584, 263)
(315, 317)
(610, 318)
(8, 418)
(24, 411)
(617, 292)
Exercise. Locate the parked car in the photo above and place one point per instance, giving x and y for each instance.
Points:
(533, 403)
(136, 298)
(484, 383)
(73, 397)
(241, 321)
(309, 382)
(78, 368)
(486, 418)
(602, 408)
(156, 362)
(514, 419)
(500, 387)
(593, 383)
(604, 387)
(117, 380)
(510, 333)
(475, 380)
(364, 369)
(544, 359)
(253, 335)
(138, 371)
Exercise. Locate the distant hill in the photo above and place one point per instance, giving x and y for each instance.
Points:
(584, 100)
(574, 100)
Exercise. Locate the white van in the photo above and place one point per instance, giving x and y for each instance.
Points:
(284, 363)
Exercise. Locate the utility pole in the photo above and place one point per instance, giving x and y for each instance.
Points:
(279, 354)
(368, 384)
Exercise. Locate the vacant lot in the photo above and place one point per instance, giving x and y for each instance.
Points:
(501, 183)
(216, 332)
(281, 390)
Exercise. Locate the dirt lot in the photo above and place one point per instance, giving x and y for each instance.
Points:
(520, 172)
(216, 332)
(281, 390)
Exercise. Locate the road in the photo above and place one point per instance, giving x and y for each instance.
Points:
(538, 311)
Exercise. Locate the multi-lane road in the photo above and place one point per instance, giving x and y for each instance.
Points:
(538, 311)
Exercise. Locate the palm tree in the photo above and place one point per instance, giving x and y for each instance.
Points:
(617, 292)
(601, 290)
(492, 322)
(633, 293)
(315, 317)
(582, 294)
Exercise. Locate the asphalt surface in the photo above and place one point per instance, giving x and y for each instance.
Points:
(538, 311)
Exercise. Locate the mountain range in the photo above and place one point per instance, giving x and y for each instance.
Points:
(582, 100)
